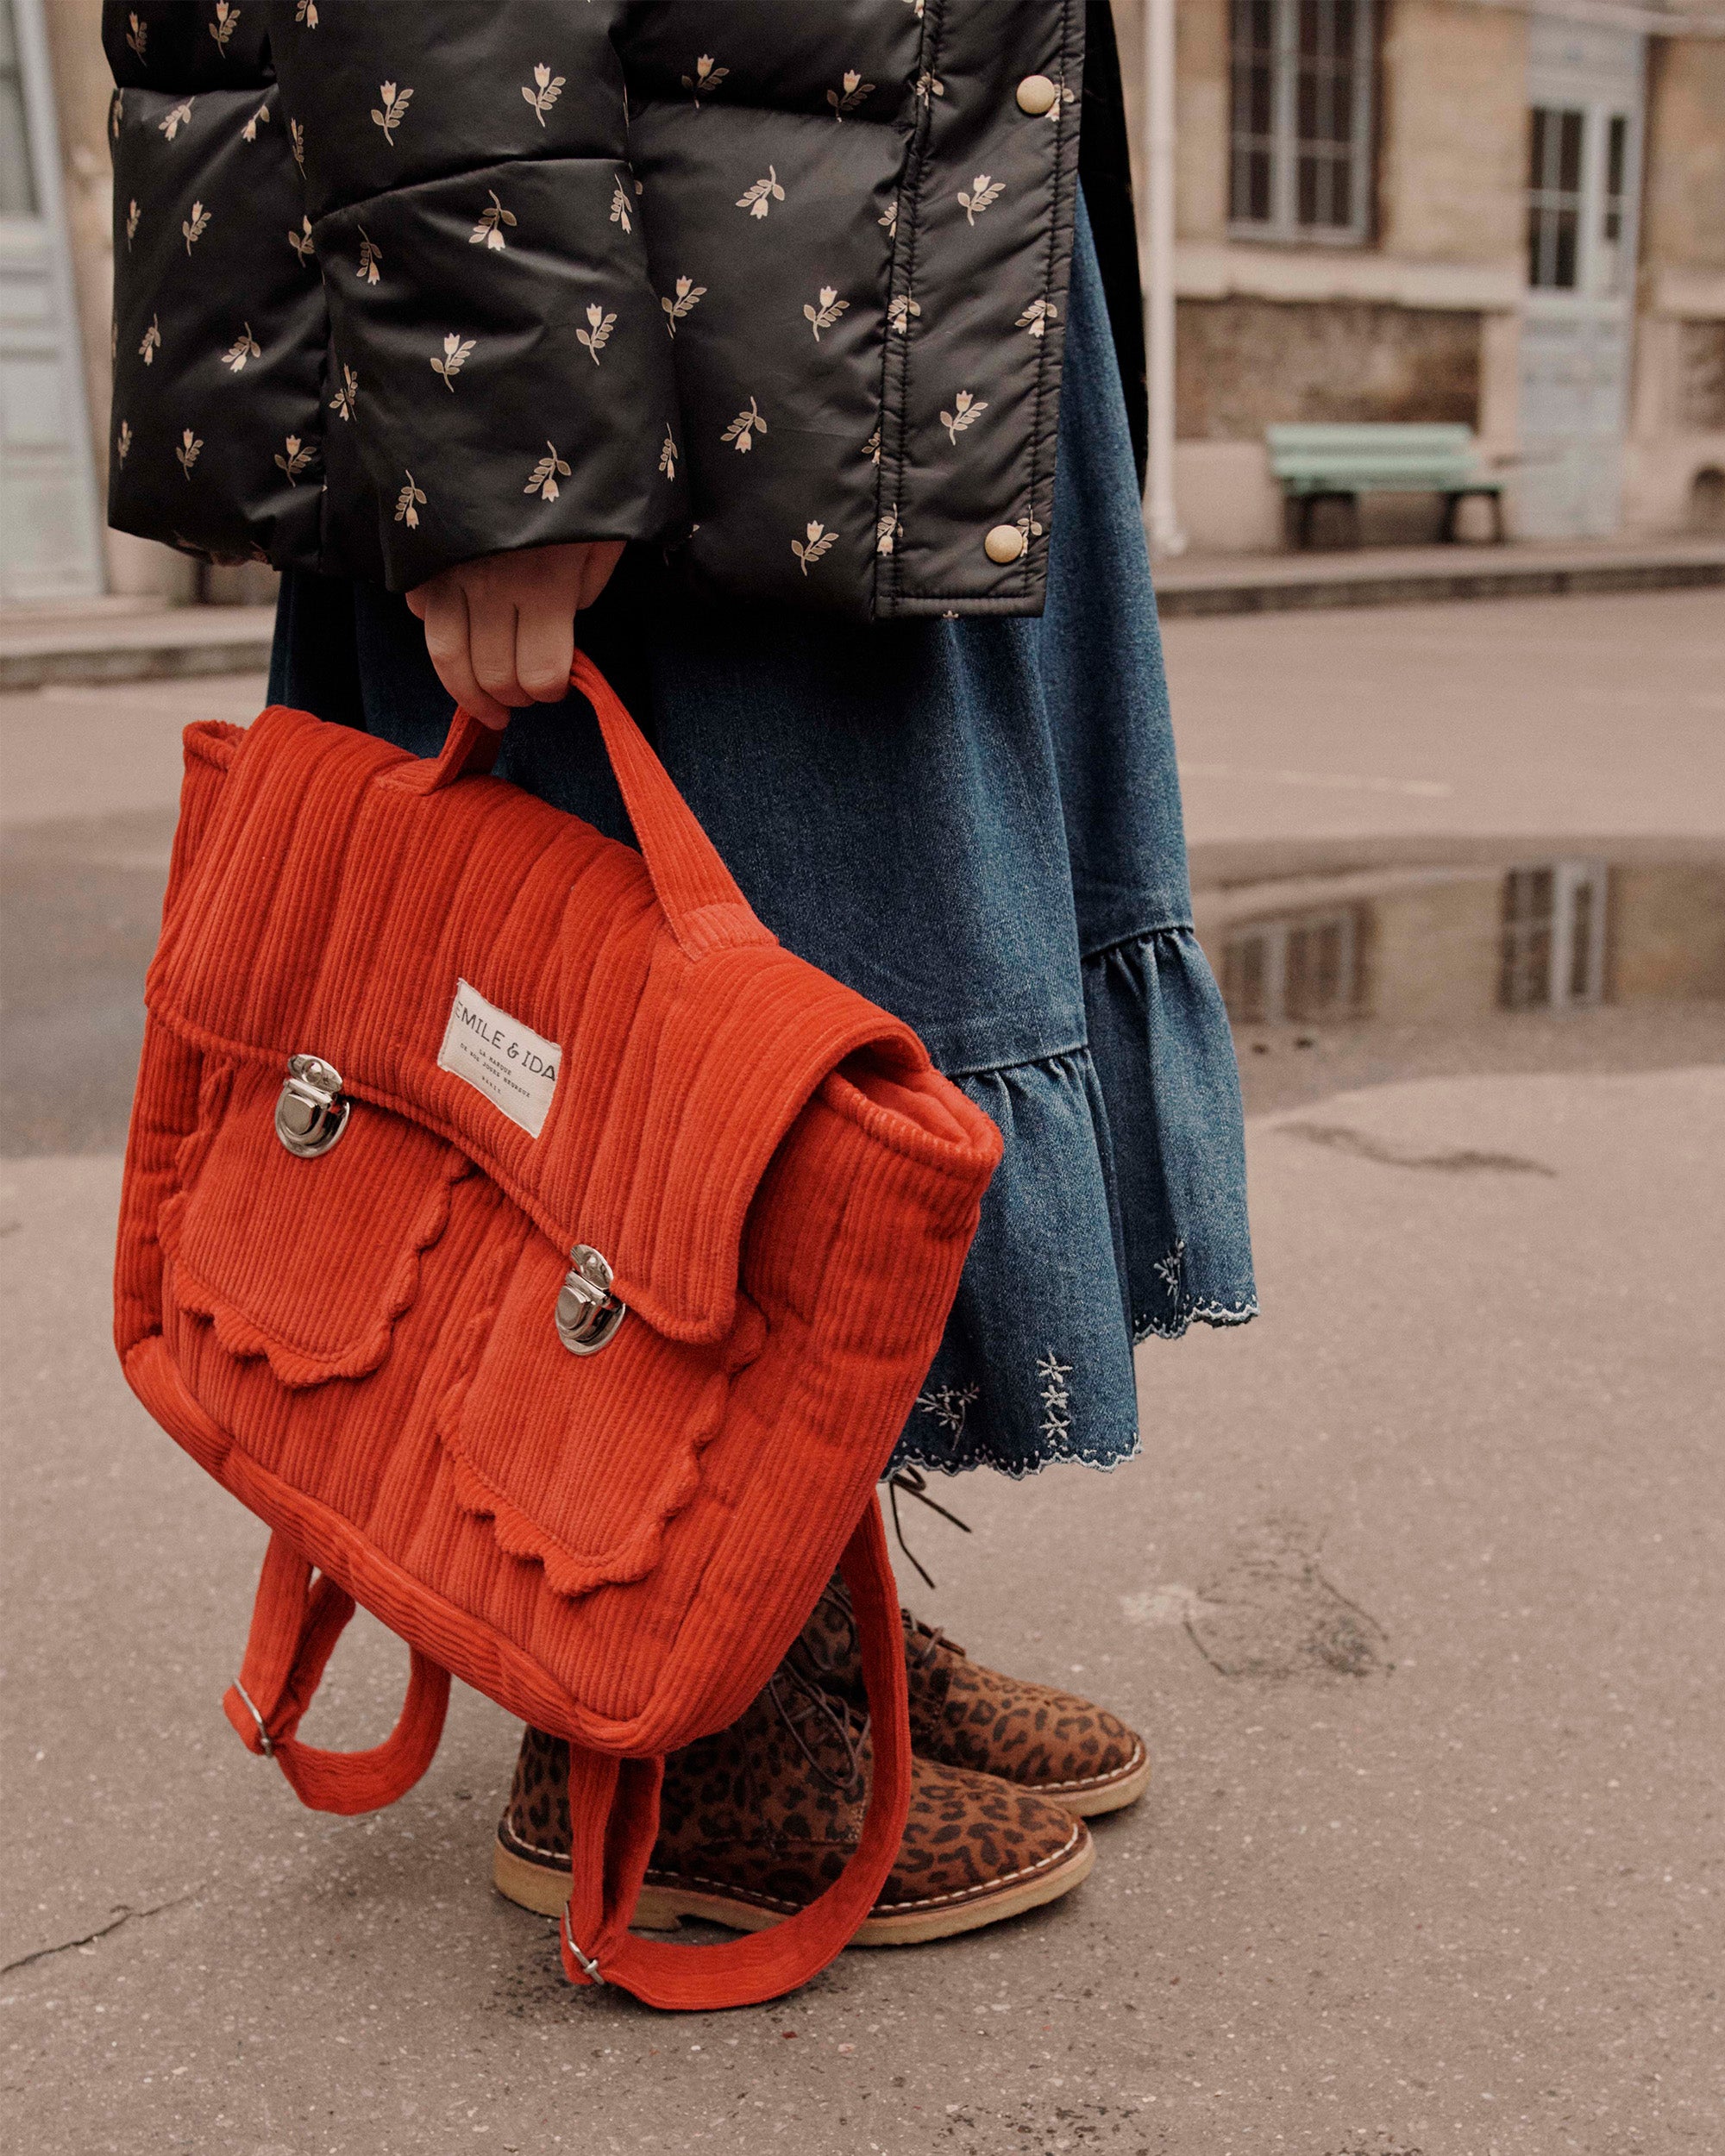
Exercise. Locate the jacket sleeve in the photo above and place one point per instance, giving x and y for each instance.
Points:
(220, 334)
(496, 339)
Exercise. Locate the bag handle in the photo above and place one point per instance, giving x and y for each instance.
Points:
(295, 1626)
(614, 1813)
(698, 895)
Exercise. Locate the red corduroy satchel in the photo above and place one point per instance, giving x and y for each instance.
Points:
(551, 1259)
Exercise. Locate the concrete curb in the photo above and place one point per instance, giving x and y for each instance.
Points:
(1280, 588)
(154, 646)
(161, 645)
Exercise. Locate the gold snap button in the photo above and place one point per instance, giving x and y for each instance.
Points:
(1037, 96)
(1004, 543)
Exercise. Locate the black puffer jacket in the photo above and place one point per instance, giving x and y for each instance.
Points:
(779, 285)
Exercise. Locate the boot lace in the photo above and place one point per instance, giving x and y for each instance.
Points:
(802, 1703)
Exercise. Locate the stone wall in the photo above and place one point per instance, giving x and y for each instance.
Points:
(1244, 363)
(1200, 119)
(1452, 132)
(1683, 211)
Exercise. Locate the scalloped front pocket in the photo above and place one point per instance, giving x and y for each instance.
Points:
(310, 1263)
(580, 1462)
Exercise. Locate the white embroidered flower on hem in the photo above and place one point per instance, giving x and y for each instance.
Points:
(1057, 1420)
(949, 1404)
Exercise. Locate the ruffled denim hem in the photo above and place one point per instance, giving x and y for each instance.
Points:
(1118, 1214)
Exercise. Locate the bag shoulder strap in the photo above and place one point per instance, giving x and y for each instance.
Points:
(614, 1803)
(295, 1626)
(614, 1812)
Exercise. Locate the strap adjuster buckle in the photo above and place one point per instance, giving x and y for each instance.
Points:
(589, 1967)
(266, 1742)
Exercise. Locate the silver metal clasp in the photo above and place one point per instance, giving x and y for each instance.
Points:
(310, 1112)
(587, 1313)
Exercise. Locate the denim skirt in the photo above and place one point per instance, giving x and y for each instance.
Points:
(976, 824)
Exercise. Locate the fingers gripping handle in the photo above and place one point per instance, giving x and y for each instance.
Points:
(697, 891)
(614, 1808)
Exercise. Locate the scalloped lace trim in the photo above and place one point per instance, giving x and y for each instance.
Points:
(1066, 1451)
(518, 1535)
(1188, 1314)
(248, 1337)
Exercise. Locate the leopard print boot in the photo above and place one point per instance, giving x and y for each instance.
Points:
(1041, 1741)
(755, 1821)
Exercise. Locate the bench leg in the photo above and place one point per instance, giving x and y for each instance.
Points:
(1310, 502)
(1452, 502)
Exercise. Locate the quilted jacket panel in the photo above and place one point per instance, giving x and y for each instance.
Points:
(781, 289)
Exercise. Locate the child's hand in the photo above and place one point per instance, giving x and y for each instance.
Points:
(501, 630)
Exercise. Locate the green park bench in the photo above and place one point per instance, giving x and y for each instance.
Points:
(1339, 463)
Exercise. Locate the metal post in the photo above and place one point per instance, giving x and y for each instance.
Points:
(1163, 515)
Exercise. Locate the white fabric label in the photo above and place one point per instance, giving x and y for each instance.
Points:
(506, 1060)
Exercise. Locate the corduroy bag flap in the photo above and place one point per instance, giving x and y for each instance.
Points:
(549, 1256)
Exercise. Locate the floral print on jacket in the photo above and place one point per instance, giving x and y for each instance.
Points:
(703, 257)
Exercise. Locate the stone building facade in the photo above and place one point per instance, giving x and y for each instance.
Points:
(1505, 212)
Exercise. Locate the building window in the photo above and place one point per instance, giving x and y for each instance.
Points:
(1554, 197)
(1301, 970)
(1301, 130)
(1553, 936)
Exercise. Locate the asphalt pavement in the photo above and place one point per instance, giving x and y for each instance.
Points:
(1415, 1591)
